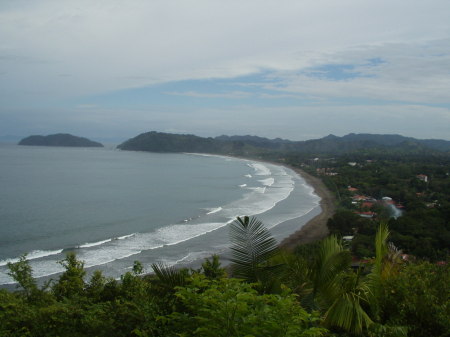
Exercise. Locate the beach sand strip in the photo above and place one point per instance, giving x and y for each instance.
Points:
(316, 228)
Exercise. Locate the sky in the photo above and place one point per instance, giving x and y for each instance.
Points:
(300, 69)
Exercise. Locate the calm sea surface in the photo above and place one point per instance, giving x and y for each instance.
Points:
(114, 207)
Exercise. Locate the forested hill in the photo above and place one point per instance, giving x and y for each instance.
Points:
(60, 139)
(244, 145)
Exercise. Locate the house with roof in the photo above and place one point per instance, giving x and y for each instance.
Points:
(422, 177)
(368, 215)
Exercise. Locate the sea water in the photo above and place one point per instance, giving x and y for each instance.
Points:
(114, 207)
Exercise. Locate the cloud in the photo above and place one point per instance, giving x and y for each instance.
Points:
(231, 94)
(403, 72)
(338, 57)
(147, 42)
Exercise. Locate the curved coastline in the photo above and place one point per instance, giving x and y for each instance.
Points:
(316, 228)
(302, 230)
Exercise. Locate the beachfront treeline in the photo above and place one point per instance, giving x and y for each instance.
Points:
(313, 291)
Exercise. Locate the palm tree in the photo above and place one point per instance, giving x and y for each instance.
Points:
(346, 300)
(352, 301)
(252, 248)
(336, 290)
(386, 264)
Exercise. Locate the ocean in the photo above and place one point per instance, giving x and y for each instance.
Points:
(114, 207)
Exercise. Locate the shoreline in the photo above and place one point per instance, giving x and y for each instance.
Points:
(316, 228)
(304, 232)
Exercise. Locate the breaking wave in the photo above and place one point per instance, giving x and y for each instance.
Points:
(35, 254)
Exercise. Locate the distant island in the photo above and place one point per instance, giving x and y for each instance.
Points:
(60, 139)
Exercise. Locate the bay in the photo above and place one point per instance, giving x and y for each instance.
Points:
(113, 207)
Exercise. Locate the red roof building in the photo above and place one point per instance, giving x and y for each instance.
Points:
(366, 214)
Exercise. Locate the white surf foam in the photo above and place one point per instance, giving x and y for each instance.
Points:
(190, 257)
(260, 169)
(267, 182)
(257, 189)
(96, 255)
(262, 199)
(125, 236)
(35, 254)
(214, 210)
(93, 244)
(105, 257)
(102, 242)
(243, 185)
(176, 234)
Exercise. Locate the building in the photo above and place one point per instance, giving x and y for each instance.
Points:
(422, 177)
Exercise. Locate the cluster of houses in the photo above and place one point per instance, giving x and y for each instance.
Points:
(366, 203)
(326, 171)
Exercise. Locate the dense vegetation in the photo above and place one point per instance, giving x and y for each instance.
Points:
(311, 292)
(422, 230)
(60, 139)
(318, 289)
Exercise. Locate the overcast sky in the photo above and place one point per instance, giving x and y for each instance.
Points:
(295, 69)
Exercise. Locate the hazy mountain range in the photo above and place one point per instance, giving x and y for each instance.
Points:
(165, 142)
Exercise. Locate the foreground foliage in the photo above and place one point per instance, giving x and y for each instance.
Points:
(228, 307)
(314, 292)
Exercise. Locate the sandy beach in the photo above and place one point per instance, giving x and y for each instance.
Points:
(316, 228)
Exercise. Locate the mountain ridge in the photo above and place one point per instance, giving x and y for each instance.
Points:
(165, 142)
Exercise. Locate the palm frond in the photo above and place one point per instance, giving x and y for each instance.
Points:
(295, 273)
(346, 313)
(168, 276)
(332, 261)
(252, 246)
(381, 246)
(387, 262)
